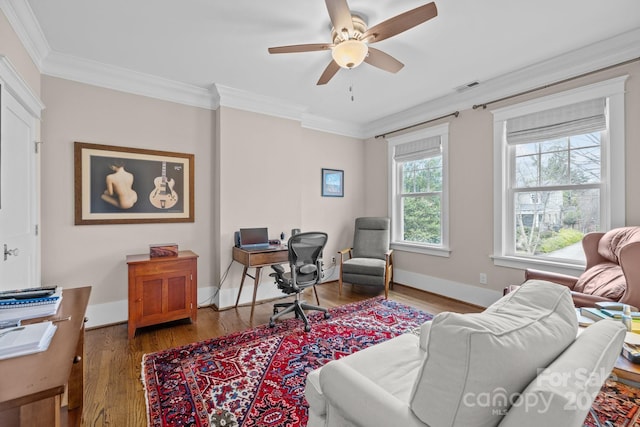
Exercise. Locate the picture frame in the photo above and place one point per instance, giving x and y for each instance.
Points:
(120, 185)
(332, 183)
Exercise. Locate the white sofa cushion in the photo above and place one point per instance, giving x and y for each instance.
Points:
(472, 359)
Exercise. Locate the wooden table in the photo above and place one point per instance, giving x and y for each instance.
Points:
(626, 370)
(33, 386)
(258, 258)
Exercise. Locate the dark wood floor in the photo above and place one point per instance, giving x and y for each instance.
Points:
(113, 390)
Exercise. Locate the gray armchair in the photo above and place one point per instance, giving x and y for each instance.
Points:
(370, 261)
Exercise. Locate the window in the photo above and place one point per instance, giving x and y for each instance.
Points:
(560, 174)
(419, 201)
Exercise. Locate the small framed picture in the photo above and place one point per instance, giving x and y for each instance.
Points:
(332, 183)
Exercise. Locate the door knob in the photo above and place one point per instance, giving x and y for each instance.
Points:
(8, 252)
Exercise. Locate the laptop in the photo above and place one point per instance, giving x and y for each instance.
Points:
(255, 238)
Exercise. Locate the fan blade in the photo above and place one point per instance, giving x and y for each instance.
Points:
(328, 73)
(340, 15)
(382, 60)
(400, 23)
(301, 48)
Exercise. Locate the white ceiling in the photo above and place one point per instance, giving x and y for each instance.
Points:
(224, 43)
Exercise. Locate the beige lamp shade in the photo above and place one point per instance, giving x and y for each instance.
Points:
(350, 53)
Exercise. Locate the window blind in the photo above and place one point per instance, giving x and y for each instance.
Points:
(420, 149)
(575, 119)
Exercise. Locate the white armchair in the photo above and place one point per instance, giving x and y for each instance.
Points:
(500, 367)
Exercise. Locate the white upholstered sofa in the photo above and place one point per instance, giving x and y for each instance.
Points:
(516, 364)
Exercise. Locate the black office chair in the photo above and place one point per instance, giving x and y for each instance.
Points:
(305, 250)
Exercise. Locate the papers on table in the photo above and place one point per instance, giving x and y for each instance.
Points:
(26, 339)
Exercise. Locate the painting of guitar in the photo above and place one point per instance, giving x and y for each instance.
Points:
(163, 195)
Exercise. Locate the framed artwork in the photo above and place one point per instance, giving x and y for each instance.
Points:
(332, 183)
(118, 185)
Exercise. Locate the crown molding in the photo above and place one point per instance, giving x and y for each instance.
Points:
(19, 89)
(125, 80)
(26, 26)
(247, 101)
(310, 121)
(612, 51)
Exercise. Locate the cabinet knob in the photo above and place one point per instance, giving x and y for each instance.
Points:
(77, 359)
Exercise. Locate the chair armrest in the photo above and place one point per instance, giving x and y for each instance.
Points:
(344, 252)
(388, 258)
(361, 401)
(561, 279)
(587, 300)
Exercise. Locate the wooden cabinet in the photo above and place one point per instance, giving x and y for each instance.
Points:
(162, 289)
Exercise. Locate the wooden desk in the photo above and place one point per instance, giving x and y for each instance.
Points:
(33, 385)
(258, 259)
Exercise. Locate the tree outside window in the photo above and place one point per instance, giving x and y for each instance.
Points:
(556, 194)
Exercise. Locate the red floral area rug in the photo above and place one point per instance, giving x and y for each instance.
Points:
(616, 403)
(258, 376)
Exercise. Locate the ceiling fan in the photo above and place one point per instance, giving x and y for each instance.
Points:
(351, 38)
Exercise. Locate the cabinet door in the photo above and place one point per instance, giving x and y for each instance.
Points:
(163, 297)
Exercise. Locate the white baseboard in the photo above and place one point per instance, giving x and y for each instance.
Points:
(107, 313)
(460, 291)
(118, 311)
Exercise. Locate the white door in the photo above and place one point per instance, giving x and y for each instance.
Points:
(19, 245)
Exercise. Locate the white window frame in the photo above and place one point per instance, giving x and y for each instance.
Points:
(394, 197)
(612, 197)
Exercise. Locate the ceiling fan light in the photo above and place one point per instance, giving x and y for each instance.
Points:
(350, 53)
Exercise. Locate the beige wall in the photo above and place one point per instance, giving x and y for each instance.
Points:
(12, 48)
(269, 176)
(471, 189)
(95, 254)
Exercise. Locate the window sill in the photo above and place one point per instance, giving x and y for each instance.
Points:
(421, 249)
(524, 263)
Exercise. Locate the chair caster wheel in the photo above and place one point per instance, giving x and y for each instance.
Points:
(327, 316)
(307, 328)
(272, 324)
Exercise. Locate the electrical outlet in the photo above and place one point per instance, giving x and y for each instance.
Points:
(333, 260)
(483, 278)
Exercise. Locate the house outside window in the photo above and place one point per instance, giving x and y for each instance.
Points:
(559, 174)
(419, 196)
